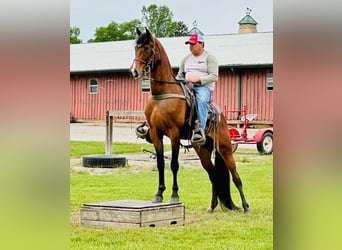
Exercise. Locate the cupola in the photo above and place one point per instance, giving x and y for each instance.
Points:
(247, 24)
(195, 30)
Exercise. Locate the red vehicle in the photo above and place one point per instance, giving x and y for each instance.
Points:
(263, 138)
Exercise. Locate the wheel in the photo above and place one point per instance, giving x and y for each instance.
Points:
(103, 161)
(234, 147)
(266, 144)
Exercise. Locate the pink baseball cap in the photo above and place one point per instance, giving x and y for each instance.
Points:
(194, 38)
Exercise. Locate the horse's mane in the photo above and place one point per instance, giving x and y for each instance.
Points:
(144, 39)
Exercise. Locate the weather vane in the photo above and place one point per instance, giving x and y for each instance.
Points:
(194, 23)
(248, 11)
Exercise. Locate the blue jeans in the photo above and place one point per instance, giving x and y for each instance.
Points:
(203, 96)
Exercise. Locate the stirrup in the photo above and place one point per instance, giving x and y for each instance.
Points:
(142, 130)
(198, 137)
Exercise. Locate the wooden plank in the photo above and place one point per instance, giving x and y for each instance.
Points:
(132, 213)
(109, 224)
(239, 122)
(126, 113)
(150, 215)
(162, 223)
(113, 215)
(130, 204)
(109, 133)
(109, 125)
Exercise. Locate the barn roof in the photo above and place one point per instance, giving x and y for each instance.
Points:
(232, 50)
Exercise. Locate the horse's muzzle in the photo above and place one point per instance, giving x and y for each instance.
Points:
(134, 74)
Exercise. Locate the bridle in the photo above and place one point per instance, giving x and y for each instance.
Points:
(148, 63)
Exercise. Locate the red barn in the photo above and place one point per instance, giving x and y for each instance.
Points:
(99, 78)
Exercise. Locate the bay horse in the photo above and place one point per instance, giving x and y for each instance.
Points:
(166, 113)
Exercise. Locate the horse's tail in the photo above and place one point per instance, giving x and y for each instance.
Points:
(221, 181)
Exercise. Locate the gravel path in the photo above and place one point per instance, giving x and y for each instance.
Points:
(96, 131)
(122, 132)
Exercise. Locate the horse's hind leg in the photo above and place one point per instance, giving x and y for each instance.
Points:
(205, 158)
(230, 162)
(238, 183)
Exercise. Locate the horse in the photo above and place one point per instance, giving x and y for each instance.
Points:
(166, 114)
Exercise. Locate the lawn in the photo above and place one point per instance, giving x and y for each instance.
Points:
(219, 230)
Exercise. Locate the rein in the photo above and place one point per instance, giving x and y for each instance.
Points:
(147, 69)
(160, 81)
(167, 96)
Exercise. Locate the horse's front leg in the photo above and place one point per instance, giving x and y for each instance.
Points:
(161, 166)
(174, 169)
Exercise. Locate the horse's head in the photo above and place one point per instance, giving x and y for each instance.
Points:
(144, 54)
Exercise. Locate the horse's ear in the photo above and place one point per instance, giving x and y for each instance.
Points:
(148, 33)
(138, 31)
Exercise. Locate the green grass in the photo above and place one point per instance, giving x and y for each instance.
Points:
(81, 148)
(219, 230)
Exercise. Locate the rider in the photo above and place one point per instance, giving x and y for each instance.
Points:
(201, 68)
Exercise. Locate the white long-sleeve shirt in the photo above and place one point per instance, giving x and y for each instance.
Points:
(204, 66)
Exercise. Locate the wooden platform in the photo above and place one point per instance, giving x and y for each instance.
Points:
(132, 213)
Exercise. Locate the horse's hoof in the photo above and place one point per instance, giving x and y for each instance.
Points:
(246, 211)
(246, 208)
(237, 209)
(157, 199)
(210, 210)
(174, 200)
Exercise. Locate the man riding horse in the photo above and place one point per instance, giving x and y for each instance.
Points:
(168, 114)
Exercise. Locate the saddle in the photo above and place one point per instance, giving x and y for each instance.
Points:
(213, 110)
(214, 113)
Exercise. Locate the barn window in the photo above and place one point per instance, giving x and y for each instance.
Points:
(93, 86)
(269, 81)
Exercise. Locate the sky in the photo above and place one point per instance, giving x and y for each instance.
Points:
(212, 16)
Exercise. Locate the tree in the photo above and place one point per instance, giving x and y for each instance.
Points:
(181, 29)
(159, 21)
(116, 32)
(74, 33)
